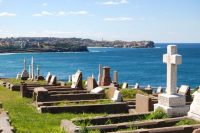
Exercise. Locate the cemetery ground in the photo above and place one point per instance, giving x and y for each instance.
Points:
(25, 118)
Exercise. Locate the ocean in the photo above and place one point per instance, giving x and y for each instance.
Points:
(144, 66)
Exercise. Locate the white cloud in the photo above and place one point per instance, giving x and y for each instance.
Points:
(44, 4)
(60, 13)
(43, 13)
(114, 2)
(7, 14)
(118, 19)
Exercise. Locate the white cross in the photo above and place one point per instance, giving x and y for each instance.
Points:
(172, 59)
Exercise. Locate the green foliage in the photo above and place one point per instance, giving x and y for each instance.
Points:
(68, 84)
(18, 82)
(131, 93)
(186, 121)
(26, 119)
(157, 114)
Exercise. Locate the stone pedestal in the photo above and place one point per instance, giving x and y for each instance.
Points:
(173, 105)
(106, 79)
(195, 107)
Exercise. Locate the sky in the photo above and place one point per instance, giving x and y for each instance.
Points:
(167, 21)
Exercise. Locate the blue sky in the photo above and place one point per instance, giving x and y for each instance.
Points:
(157, 20)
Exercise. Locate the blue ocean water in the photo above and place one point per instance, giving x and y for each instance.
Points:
(144, 66)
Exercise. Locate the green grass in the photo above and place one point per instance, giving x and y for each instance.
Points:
(18, 82)
(26, 119)
(157, 114)
(187, 121)
(130, 93)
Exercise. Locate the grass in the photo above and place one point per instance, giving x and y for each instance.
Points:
(128, 94)
(101, 101)
(26, 119)
(157, 114)
(187, 121)
(18, 81)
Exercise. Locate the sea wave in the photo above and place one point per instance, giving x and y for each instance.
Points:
(157, 47)
(7, 53)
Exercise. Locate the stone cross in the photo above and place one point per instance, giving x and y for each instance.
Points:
(172, 59)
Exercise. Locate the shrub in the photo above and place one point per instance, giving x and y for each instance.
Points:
(186, 121)
(131, 93)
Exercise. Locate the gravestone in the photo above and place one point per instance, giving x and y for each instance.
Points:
(110, 92)
(136, 86)
(91, 83)
(159, 90)
(77, 80)
(195, 107)
(125, 85)
(106, 79)
(117, 96)
(148, 87)
(53, 80)
(171, 102)
(69, 79)
(185, 90)
(97, 90)
(18, 76)
(48, 77)
(24, 74)
(145, 101)
(115, 77)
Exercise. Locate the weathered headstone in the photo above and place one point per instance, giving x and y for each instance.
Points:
(91, 83)
(97, 90)
(185, 90)
(53, 80)
(48, 77)
(136, 86)
(148, 87)
(106, 79)
(125, 85)
(117, 96)
(195, 107)
(145, 101)
(172, 103)
(77, 80)
(159, 90)
(18, 76)
(40, 94)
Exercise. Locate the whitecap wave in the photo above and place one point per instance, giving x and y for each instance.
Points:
(7, 53)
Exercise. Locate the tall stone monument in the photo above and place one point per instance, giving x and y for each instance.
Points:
(32, 69)
(115, 77)
(106, 79)
(171, 102)
(100, 74)
(24, 75)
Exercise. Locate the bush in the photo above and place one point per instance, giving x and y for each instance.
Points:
(157, 114)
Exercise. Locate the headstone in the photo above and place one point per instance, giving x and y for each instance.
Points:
(18, 76)
(91, 83)
(148, 87)
(145, 101)
(106, 79)
(110, 92)
(195, 107)
(53, 80)
(38, 71)
(125, 85)
(115, 77)
(171, 102)
(185, 90)
(40, 94)
(100, 74)
(117, 96)
(77, 80)
(159, 90)
(48, 77)
(24, 75)
(136, 86)
(97, 90)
